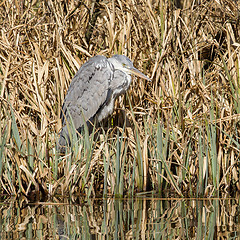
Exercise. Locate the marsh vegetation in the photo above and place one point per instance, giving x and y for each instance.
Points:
(178, 135)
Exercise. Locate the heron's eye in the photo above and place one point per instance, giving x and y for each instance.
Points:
(124, 65)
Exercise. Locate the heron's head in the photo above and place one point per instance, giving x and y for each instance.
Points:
(123, 63)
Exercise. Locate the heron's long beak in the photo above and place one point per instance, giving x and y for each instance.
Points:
(138, 73)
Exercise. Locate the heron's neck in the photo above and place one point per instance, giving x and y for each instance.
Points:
(120, 83)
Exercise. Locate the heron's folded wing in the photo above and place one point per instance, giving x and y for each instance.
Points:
(87, 91)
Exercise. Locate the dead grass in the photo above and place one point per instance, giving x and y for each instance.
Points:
(183, 128)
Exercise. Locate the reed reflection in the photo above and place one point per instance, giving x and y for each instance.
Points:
(139, 218)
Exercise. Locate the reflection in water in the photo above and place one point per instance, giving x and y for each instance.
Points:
(139, 218)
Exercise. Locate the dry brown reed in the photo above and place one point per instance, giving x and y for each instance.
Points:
(183, 127)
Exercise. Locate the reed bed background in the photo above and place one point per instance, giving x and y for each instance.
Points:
(178, 134)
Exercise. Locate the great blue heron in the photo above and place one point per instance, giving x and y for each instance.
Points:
(93, 90)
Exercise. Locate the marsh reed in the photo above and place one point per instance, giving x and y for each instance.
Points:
(178, 134)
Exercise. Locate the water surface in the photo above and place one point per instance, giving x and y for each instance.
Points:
(138, 218)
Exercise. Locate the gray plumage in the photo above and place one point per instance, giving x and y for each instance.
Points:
(93, 90)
